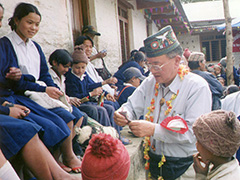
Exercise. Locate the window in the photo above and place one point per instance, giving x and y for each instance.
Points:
(79, 16)
(214, 47)
(124, 36)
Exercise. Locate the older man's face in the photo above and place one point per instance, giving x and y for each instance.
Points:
(163, 68)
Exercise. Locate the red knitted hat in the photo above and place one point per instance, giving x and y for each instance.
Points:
(105, 158)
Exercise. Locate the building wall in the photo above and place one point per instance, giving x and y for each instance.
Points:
(190, 42)
(54, 30)
(104, 17)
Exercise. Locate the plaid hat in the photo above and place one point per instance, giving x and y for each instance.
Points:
(131, 72)
(163, 42)
(219, 132)
(79, 55)
(105, 158)
(196, 56)
(90, 29)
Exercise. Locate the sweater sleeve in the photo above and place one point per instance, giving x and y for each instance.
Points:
(4, 110)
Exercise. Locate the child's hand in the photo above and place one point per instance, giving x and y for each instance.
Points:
(110, 98)
(18, 111)
(96, 92)
(111, 80)
(53, 92)
(197, 165)
(75, 101)
(14, 74)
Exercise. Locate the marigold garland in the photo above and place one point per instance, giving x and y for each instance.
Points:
(182, 71)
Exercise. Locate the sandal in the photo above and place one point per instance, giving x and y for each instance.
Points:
(125, 140)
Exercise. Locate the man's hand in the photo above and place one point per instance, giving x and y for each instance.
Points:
(53, 92)
(14, 74)
(198, 167)
(142, 128)
(18, 111)
(119, 119)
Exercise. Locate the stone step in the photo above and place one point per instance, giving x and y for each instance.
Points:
(135, 150)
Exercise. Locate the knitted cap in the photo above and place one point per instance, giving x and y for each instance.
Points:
(163, 42)
(105, 158)
(79, 54)
(196, 56)
(219, 132)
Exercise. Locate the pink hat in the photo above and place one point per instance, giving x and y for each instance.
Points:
(105, 158)
(186, 53)
(219, 132)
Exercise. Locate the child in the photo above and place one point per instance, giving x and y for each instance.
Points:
(132, 79)
(20, 52)
(80, 85)
(61, 60)
(105, 158)
(218, 140)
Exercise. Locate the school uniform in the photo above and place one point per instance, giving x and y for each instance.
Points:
(15, 133)
(80, 87)
(119, 73)
(55, 129)
(125, 91)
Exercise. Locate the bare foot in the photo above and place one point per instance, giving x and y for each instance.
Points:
(64, 176)
(65, 168)
(74, 163)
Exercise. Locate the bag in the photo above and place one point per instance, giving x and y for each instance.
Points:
(93, 127)
(103, 72)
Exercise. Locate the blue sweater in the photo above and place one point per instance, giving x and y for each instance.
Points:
(8, 58)
(123, 97)
(119, 73)
(77, 88)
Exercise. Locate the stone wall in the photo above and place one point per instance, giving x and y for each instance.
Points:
(54, 27)
(190, 42)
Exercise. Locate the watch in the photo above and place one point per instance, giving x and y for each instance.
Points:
(9, 105)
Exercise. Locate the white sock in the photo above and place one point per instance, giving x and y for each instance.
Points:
(7, 172)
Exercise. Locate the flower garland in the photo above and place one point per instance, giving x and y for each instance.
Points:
(182, 71)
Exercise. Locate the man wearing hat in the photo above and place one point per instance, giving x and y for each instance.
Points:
(96, 56)
(171, 100)
(196, 63)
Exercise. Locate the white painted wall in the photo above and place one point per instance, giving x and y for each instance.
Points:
(54, 31)
(55, 28)
(190, 42)
(104, 17)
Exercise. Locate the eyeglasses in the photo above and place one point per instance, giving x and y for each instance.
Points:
(157, 67)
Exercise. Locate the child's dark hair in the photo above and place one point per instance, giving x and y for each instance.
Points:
(138, 57)
(80, 40)
(1, 6)
(61, 56)
(22, 10)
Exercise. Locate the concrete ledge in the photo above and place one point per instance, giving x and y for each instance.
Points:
(135, 150)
